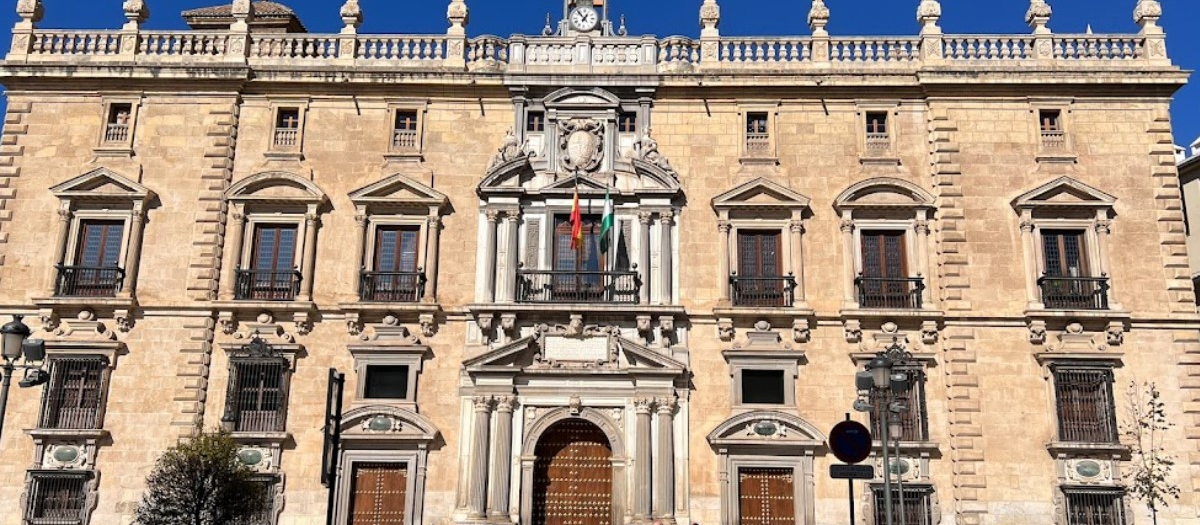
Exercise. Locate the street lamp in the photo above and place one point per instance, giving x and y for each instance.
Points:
(15, 343)
(887, 384)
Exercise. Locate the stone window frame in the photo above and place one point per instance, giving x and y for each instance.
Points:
(772, 111)
(862, 110)
(367, 355)
(1064, 107)
(125, 148)
(1061, 505)
(919, 206)
(109, 363)
(787, 365)
(408, 458)
(287, 152)
(421, 108)
(91, 491)
(1092, 216)
(288, 352)
(408, 441)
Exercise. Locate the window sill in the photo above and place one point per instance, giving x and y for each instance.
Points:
(284, 155)
(403, 156)
(799, 310)
(632, 309)
(1053, 313)
(759, 160)
(1061, 157)
(274, 438)
(93, 303)
(384, 307)
(273, 306)
(40, 434)
(883, 159)
(1065, 448)
(915, 313)
(924, 448)
(117, 150)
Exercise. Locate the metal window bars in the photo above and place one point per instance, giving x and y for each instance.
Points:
(1095, 506)
(56, 498)
(890, 293)
(256, 399)
(74, 397)
(88, 281)
(763, 292)
(1084, 401)
(912, 506)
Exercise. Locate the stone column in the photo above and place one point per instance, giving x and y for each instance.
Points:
(644, 219)
(1103, 230)
(664, 462)
(501, 460)
(431, 258)
(850, 268)
(477, 490)
(666, 219)
(309, 263)
(133, 256)
(922, 233)
(360, 250)
(233, 253)
(1029, 247)
(489, 270)
(62, 229)
(642, 466)
(506, 258)
(797, 230)
(723, 260)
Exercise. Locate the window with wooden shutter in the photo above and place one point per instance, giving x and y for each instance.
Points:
(256, 400)
(767, 496)
(912, 506)
(272, 275)
(57, 498)
(1085, 405)
(1095, 506)
(99, 244)
(915, 419)
(378, 493)
(885, 282)
(759, 280)
(75, 394)
(396, 276)
(1064, 253)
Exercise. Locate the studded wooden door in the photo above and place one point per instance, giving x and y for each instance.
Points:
(572, 476)
(378, 494)
(767, 496)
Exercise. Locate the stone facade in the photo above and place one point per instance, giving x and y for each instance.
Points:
(974, 151)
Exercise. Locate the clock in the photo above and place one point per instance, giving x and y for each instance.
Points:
(584, 19)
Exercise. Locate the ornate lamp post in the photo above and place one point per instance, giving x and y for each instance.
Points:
(887, 385)
(15, 343)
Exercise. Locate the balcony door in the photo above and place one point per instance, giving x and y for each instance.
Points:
(1067, 282)
(885, 280)
(578, 273)
(760, 279)
(396, 273)
(96, 272)
(273, 262)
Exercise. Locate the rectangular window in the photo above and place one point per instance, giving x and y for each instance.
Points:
(1050, 123)
(588, 258)
(877, 131)
(116, 129)
(287, 127)
(256, 400)
(378, 493)
(272, 275)
(1064, 252)
(535, 122)
(914, 506)
(56, 498)
(760, 280)
(73, 398)
(395, 276)
(766, 496)
(763, 387)
(1086, 409)
(266, 514)
(404, 132)
(1067, 282)
(95, 269)
(758, 136)
(914, 420)
(884, 282)
(386, 382)
(1095, 506)
(627, 123)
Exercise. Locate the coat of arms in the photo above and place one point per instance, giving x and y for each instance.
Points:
(581, 144)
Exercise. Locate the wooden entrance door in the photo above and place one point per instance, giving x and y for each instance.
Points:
(378, 494)
(572, 476)
(767, 496)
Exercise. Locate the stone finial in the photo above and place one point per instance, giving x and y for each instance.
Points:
(459, 16)
(243, 13)
(928, 15)
(352, 17)
(1146, 14)
(1038, 16)
(136, 13)
(710, 18)
(818, 18)
(30, 11)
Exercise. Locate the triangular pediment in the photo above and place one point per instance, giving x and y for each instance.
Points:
(101, 183)
(399, 190)
(586, 185)
(1064, 192)
(554, 351)
(760, 193)
(766, 428)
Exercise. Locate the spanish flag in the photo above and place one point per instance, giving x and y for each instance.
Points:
(576, 224)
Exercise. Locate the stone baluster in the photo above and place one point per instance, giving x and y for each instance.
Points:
(235, 233)
(477, 490)
(642, 466)
(501, 460)
(489, 257)
(431, 258)
(456, 36)
(352, 18)
(1038, 16)
(61, 230)
(710, 34)
(308, 264)
(644, 219)
(818, 18)
(31, 12)
(664, 461)
(723, 256)
(666, 282)
(133, 257)
(1147, 14)
(928, 15)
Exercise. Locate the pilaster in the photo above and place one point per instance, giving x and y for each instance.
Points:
(477, 489)
(664, 462)
(641, 464)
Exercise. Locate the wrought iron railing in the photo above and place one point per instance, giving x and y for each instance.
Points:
(620, 287)
(89, 281)
(1074, 293)
(891, 293)
(391, 287)
(764, 292)
(267, 285)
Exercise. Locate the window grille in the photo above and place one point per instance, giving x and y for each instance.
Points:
(256, 400)
(56, 498)
(1084, 399)
(75, 394)
(266, 513)
(1095, 506)
(915, 420)
(914, 506)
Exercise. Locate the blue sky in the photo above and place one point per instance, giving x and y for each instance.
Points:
(739, 17)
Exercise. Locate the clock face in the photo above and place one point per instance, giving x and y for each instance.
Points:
(584, 19)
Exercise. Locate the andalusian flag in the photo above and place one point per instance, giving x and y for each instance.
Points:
(576, 224)
(606, 223)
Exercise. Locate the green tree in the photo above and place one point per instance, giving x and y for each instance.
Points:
(1149, 477)
(200, 481)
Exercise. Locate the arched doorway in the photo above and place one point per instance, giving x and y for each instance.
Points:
(573, 475)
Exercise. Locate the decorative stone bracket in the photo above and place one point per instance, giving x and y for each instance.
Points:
(1075, 337)
(801, 329)
(264, 324)
(889, 332)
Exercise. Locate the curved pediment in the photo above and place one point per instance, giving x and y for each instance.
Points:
(766, 428)
(388, 423)
(276, 186)
(760, 193)
(574, 97)
(399, 190)
(101, 184)
(1064, 192)
(884, 192)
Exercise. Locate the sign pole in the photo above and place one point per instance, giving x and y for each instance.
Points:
(851, 483)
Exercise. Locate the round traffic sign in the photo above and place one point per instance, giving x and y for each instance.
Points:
(850, 442)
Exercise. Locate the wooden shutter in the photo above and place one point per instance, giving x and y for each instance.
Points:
(1086, 412)
(759, 254)
(72, 399)
(257, 394)
(378, 494)
(883, 254)
(274, 247)
(396, 248)
(99, 244)
(1063, 250)
(766, 496)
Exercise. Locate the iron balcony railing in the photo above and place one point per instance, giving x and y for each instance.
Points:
(890, 293)
(391, 287)
(1074, 293)
(267, 285)
(764, 292)
(619, 287)
(89, 281)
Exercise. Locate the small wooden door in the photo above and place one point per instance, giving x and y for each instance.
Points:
(378, 494)
(572, 476)
(767, 496)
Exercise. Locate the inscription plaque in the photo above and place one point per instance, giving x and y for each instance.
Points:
(559, 348)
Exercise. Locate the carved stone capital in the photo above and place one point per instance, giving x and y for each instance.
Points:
(666, 218)
(482, 403)
(506, 404)
(1104, 227)
(724, 227)
(428, 324)
(921, 227)
(643, 406)
(65, 215)
(645, 218)
(929, 332)
(847, 226)
(1115, 333)
(493, 217)
(1027, 226)
(666, 405)
(361, 219)
(797, 227)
